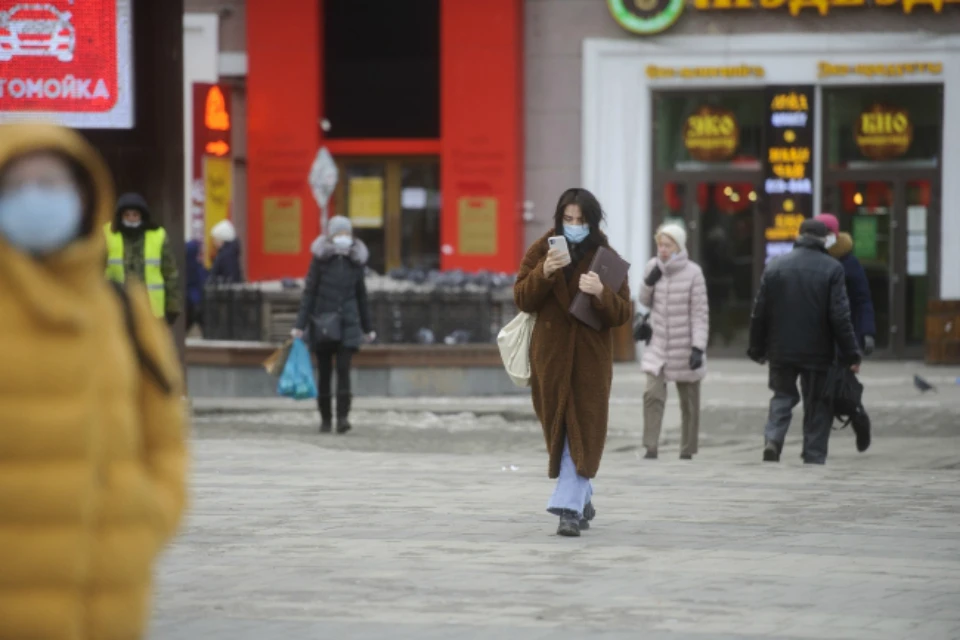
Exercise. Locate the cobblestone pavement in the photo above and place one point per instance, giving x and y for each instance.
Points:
(430, 525)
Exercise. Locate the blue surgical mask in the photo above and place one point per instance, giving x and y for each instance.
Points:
(342, 242)
(40, 220)
(576, 233)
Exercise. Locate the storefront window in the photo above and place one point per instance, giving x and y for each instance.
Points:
(883, 126)
(707, 130)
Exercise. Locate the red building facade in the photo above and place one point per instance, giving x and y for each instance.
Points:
(451, 200)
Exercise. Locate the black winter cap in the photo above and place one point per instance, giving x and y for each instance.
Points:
(814, 228)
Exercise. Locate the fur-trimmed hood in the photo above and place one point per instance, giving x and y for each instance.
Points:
(323, 249)
(843, 246)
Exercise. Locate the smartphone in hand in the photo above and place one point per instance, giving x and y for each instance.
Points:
(560, 244)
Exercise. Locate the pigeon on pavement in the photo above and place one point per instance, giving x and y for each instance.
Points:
(923, 385)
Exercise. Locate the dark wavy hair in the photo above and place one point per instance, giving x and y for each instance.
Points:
(590, 208)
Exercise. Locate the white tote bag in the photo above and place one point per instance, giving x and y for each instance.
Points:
(514, 343)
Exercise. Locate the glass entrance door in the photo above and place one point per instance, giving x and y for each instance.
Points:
(394, 204)
(866, 212)
(721, 220)
(886, 223)
(921, 210)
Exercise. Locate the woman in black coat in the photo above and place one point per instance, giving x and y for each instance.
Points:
(335, 315)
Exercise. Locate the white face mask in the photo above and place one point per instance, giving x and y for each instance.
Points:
(343, 242)
(830, 241)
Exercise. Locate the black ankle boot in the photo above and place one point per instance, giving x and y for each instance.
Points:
(325, 403)
(344, 400)
(771, 451)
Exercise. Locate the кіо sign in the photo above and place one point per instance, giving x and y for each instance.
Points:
(66, 61)
(711, 134)
(884, 132)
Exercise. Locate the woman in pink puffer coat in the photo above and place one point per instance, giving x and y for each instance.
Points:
(676, 293)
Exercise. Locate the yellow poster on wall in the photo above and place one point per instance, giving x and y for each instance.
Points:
(477, 226)
(365, 202)
(218, 194)
(281, 225)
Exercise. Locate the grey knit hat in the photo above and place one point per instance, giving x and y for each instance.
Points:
(337, 225)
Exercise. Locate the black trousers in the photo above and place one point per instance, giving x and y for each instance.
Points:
(817, 414)
(325, 356)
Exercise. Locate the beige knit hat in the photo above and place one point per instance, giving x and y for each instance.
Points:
(675, 232)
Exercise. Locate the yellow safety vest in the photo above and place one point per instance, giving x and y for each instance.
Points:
(152, 255)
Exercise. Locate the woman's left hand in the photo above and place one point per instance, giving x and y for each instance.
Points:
(696, 359)
(591, 285)
(371, 336)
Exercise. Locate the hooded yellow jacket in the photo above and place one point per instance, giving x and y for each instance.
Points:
(92, 452)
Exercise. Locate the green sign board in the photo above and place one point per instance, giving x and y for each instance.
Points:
(865, 237)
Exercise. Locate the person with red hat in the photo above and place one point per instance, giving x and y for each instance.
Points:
(840, 246)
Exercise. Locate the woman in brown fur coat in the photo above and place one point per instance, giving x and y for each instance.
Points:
(571, 364)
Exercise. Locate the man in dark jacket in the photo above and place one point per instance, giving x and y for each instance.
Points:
(840, 246)
(800, 321)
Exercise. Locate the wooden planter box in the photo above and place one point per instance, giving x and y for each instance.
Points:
(943, 332)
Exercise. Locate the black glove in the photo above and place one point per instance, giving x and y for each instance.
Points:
(172, 318)
(869, 344)
(756, 356)
(696, 359)
(643, 332)
(654, 275)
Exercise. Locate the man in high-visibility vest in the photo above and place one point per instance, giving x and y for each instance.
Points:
(138, 246)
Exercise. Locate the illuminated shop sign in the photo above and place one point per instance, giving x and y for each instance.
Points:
(645, 17)
(650, 17)
(711, 134)
(788, 165)
(212, 188)
(868, 70)
(823, 7)
(883, 132)
(66, 61)
(704, 73)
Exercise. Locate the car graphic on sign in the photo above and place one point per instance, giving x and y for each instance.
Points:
(36, 30)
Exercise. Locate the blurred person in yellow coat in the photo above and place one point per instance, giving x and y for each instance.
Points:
(92, 422)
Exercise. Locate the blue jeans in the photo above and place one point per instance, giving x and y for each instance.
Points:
(573, 492)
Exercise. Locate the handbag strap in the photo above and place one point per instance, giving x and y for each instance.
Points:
(146, 362)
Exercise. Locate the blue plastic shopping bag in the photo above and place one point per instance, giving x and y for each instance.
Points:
(297, 381)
